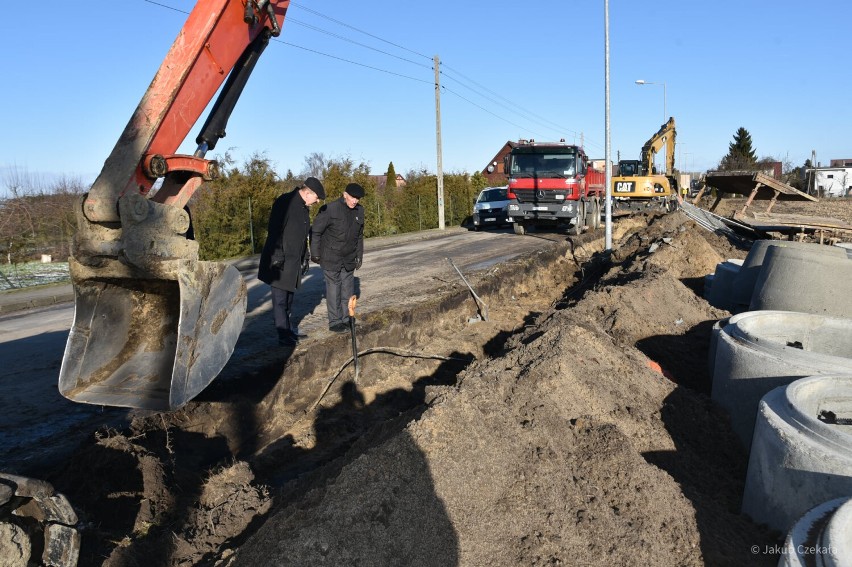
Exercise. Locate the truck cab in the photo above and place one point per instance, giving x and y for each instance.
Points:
(552, 183)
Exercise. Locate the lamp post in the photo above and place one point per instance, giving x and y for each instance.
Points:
(608, 148)
(643, 82)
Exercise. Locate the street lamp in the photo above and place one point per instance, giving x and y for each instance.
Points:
(642, 82)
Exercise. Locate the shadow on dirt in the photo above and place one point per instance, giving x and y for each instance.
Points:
(708, 462)
(37, 424)
(711, 471)
(147, 481)
(683, 357)
(338, 427)
(696, 285)
(397, 517)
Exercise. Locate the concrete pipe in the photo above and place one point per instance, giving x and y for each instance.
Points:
(761, 350)
(821, 537)
(743, 285)
(838, 535)
(722, 287)
(800, 280)
(801, 454)
(714, 340)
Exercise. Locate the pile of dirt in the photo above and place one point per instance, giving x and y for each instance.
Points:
(573, 427)
(572, 447)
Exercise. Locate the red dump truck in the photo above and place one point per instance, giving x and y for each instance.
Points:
(553, 183)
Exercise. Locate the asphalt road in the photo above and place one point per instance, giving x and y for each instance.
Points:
(38, 426)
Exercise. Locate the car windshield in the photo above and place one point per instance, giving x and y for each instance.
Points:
(490, 195)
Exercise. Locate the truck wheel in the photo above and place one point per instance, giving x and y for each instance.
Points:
(579, 221)
(519, 228)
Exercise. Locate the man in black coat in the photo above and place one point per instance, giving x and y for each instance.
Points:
(337, 244)
(284, 258)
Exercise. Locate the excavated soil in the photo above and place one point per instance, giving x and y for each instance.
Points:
(572, 427)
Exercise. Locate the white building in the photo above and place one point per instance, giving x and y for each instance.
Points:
(831, 181)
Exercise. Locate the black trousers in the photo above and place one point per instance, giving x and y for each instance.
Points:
(339, 287)
(282, 303)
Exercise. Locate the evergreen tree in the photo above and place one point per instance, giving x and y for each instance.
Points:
(391, 177)
(741, 154)
(231, 214)
(389, 204)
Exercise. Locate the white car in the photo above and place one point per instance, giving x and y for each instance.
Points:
(490, 208)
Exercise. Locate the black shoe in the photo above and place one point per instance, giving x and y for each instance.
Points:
(287, 338)
(338, 328)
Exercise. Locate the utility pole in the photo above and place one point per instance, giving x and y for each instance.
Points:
(608, 151)
(438, 138)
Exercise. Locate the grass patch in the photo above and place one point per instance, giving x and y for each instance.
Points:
(15, 276)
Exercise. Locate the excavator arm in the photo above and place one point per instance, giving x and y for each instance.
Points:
(665, 136)
(153, 325)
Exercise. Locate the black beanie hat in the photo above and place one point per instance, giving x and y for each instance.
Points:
(314, 185)
(355, 190)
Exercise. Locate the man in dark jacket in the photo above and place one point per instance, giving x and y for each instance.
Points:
(337, 244)
(284, 258)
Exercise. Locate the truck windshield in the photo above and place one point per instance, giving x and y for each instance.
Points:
(541, 164)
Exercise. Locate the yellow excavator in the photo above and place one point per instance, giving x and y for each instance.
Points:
(637, 185)
(153, 325)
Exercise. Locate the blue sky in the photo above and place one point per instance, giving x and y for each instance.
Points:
(75, 73)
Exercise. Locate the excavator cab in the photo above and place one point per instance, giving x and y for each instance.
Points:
(154, 325)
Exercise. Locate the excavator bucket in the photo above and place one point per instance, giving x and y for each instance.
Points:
(153, 325)
(150, 343)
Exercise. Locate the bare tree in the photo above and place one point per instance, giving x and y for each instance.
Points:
(37, 217)
(315, 165)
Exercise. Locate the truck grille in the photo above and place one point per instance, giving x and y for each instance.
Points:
(539, 196)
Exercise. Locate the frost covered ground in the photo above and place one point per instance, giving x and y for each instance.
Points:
(13, 276)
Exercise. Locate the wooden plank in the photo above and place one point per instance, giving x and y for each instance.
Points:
(787, 219)
(755, 184)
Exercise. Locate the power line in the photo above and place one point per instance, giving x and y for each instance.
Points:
(521, 111)
(507, 107)
(166, 6)
(515, 107)
(486, 110)
(558, 126)
(333, 35)
(526, 114)
(309, 26)
(344, 24)
(354, 62)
